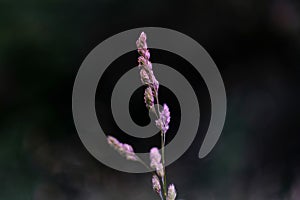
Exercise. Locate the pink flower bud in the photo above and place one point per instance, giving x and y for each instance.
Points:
(171, 192)
(156, 184)
(155, 161)
(114, 143)
(163, 122)
(145, 77)
(144, 52)
(141, 42)
(160, 170)
(148, 97)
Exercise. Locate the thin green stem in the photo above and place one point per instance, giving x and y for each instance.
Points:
(143, 163)
(161, 196)
(163, 163)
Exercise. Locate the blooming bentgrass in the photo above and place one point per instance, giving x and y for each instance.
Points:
(157, 159)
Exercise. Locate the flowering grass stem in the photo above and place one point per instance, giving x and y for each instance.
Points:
(157, 160)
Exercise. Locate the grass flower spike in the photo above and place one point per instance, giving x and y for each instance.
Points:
(124, 149)
(146, 73)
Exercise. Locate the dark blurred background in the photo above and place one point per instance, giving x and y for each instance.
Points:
(256, 46)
